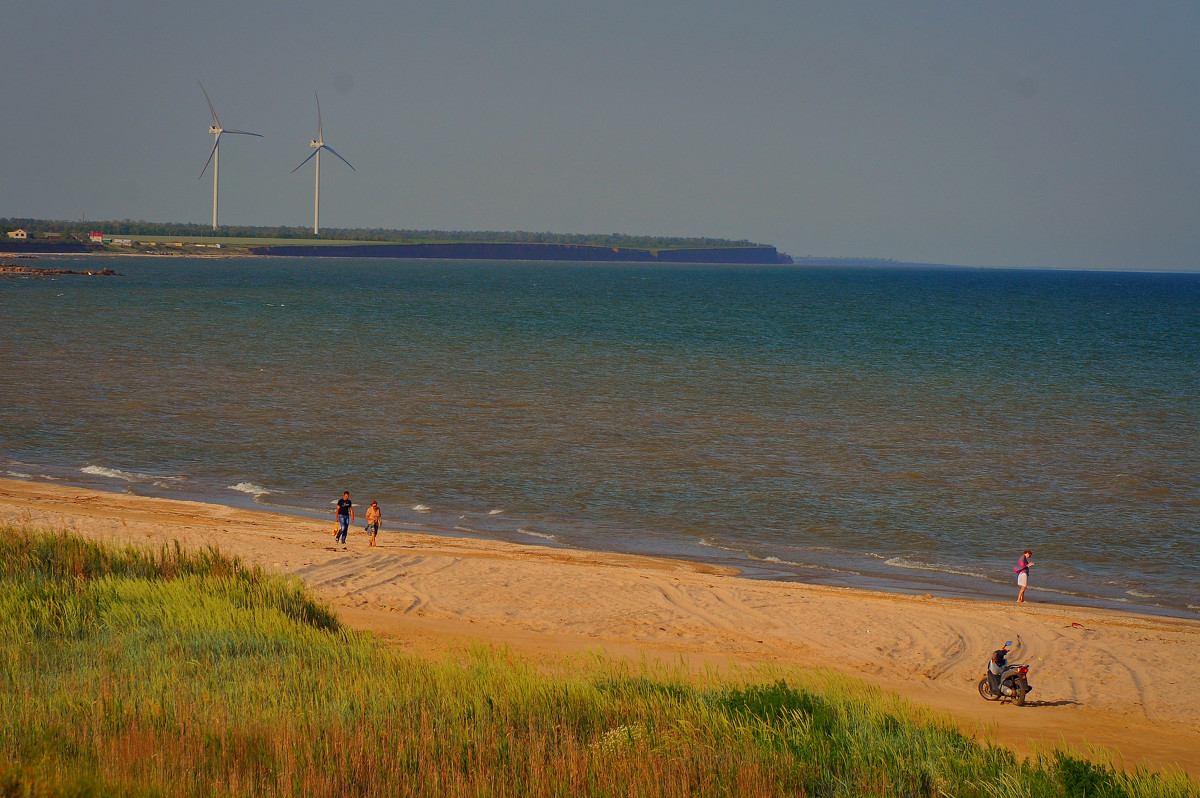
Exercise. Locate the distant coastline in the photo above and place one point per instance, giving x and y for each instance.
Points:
(524, 251)
(35, 236)
(759, 255)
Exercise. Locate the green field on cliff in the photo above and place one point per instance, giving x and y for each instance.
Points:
(134, 672)
(248, 236)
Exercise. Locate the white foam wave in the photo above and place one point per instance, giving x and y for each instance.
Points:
(421, 508)
(495, 512)
(712, 543)
(533, 534)
(917, 565)
(19, 474)
(251, 488)
(129, 476)
(1139, 594)
(113, 473)
(1043, 589)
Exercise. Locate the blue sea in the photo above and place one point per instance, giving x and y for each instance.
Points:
(905, 429)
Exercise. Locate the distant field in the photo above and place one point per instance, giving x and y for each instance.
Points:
(248, 242)
(341, 242)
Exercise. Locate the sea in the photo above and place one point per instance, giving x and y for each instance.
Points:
(900, 429)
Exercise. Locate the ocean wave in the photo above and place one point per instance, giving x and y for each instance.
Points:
(810, 566)
(713, 543)
(130, 476)
(19, 474)
(917, 565)
(251, 488)
(421, 508)
(495, 512)
(533, 534)
(1139, 594)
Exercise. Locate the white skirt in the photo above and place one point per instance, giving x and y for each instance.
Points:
(1023, 578)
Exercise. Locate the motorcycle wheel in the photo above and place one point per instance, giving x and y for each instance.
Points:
(1019, 690)
(984, 691)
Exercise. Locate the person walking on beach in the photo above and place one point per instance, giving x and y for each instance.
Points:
(373, 518)
(345, 516)
(1022, 570)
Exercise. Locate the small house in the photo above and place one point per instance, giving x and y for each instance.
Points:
(18, 233)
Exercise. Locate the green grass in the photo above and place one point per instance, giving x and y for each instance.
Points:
(171, 672)
(235, 241)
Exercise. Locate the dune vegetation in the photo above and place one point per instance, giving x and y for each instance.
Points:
(131, 671)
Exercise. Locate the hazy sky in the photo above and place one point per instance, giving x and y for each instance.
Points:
(994, 134)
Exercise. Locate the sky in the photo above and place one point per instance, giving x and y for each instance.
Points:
(1040, 134)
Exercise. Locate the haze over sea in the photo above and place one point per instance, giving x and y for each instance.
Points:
(901, 429)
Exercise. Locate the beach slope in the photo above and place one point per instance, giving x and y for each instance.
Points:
(1125, 681)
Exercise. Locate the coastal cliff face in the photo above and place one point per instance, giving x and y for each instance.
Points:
(463, 251)
(498, 251)
(43, 247)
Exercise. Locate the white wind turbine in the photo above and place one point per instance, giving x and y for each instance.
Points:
(319, 144)
(214, 157)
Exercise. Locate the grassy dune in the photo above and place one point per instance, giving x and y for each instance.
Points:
(134, 672)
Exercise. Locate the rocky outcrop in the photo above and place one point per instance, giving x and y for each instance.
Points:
(13, 270)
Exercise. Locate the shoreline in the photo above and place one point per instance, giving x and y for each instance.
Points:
(1120, 679)
(945, 583)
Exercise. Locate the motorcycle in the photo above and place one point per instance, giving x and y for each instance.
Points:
(1005, 680)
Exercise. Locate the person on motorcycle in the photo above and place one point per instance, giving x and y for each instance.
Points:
(996, 667)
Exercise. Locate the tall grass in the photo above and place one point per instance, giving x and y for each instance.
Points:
(126, 671)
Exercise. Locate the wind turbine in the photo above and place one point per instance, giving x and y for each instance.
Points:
(214, 157)
(319, 144)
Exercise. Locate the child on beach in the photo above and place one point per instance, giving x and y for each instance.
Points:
(373, 518)
(1022, 570)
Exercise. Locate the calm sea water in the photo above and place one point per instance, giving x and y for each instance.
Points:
(901, 429)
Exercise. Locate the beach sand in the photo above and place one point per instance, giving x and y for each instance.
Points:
(1125, 681)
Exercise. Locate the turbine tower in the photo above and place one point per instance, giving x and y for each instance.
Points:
(319, 144)
(214, 157)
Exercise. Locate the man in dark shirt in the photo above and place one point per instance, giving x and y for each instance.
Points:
(345, 515)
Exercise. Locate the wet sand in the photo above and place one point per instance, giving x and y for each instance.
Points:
(1125, 681)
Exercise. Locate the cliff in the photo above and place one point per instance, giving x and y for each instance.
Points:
(501, 251)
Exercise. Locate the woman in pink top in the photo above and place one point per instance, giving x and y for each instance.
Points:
(1022, 570)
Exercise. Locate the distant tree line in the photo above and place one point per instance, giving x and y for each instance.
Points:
(166, 230)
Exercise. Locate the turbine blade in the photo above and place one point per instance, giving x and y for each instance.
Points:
(243, 133)
(343, 160)
(210, 156)
(211, 110)
(306, 160)
(319, 137)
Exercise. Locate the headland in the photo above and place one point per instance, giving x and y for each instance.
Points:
(148, 238)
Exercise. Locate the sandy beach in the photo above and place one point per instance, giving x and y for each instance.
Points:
(1125, 681)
